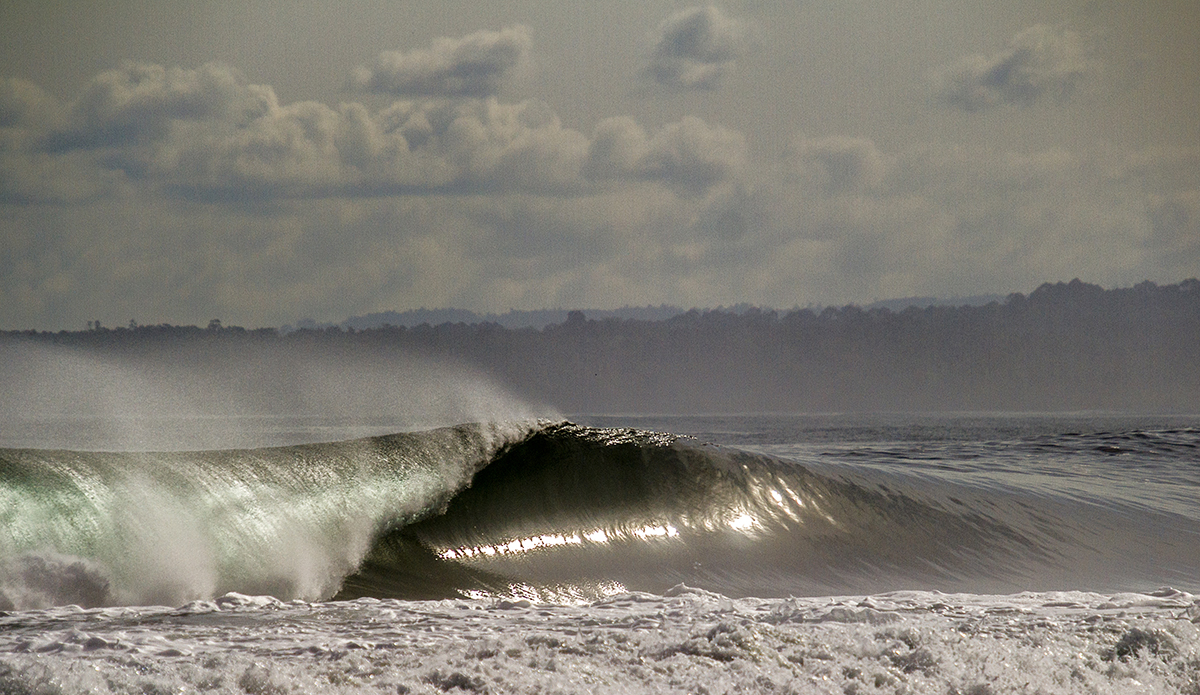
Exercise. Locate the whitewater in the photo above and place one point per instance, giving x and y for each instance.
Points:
(986, 553)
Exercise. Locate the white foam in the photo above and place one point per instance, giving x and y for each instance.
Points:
(688, 641)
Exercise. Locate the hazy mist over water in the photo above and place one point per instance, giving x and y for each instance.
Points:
(1065, 347)
(225, 396)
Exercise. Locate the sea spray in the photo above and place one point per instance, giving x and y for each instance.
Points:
(220, 394)
(169, 527)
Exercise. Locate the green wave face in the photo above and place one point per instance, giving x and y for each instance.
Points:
(98, 528)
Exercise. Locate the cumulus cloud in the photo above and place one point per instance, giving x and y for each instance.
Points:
(312, 150)
(833, 220)
(696, 48)
(471, 66)
(139, 102)
(28, 174)
(1040, 62)
(693, 155)
(443, 202)
(689, 155)
(208, 135)
(617, 145)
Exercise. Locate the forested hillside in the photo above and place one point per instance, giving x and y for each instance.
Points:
(1065, 346)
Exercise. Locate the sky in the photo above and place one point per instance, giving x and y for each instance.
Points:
(264, 161)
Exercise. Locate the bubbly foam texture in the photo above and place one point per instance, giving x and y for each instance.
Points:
(686, 641)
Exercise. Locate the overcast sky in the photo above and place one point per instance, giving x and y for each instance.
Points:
(265, 161)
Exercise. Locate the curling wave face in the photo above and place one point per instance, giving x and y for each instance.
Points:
(552, 511)
(101, 528)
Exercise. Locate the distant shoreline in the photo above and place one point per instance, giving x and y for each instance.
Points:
(1064, 347)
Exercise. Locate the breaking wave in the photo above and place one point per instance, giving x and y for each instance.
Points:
(543, 510)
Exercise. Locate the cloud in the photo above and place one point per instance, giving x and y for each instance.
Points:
(696, 48)
(178, 195)
(1172, 204)
(29, 175)
(838, 164)
(139, 102)
(693, 155)
(23, 104)
(940, 219)
(1175, 221)
(471, 66)
(312, 150)
(928, 219)
(689, 155)
(1040, 62)
(208, 135)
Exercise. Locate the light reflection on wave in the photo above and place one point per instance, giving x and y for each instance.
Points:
(771, 503)
(555, 540)
(739, 520)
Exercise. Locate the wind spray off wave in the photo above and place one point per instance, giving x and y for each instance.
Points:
(552, 511)
(98, 528)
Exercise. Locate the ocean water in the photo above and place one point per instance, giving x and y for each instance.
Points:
(821, 553)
